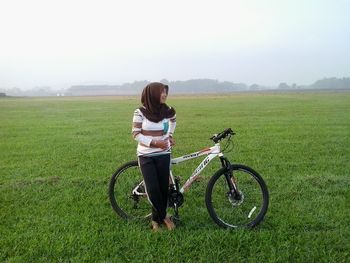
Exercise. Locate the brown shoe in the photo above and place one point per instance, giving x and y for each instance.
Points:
(155, 226)
(169, 223)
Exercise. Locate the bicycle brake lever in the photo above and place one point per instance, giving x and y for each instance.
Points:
(211, 138)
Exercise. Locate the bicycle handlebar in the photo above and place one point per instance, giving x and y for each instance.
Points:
(222, 135)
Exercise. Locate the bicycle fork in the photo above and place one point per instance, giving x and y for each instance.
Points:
(231, 180)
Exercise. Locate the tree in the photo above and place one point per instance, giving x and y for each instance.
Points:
(254, 87)
(283, 85)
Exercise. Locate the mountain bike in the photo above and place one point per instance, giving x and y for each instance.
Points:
(236, 195)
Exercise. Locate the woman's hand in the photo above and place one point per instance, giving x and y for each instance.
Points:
(172, 141)
(163, 144)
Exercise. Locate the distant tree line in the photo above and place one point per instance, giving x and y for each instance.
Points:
(188, 86)
(203, 86)
(325, 83)
(333, 83)
(180, 87)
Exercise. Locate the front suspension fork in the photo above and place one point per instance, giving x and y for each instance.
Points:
(230, 179)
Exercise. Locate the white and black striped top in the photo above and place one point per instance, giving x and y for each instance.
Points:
(144, 131)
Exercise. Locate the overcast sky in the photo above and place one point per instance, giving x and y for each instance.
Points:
(68, 42)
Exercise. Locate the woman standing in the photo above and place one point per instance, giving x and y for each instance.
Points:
(153, 127)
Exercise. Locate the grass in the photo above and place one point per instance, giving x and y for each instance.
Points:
(57, 154)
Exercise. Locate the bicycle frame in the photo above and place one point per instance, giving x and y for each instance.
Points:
(211, 153)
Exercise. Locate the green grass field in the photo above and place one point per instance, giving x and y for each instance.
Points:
(57, 155)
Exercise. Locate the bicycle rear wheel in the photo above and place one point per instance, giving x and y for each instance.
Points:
(127, 193)
(231, 211)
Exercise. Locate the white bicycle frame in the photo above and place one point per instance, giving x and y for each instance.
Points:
(211, 153)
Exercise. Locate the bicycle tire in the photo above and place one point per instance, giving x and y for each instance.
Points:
(247, 212)
(125, 203)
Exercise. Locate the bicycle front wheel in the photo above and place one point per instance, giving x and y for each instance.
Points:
(231, 210)
(127, 192)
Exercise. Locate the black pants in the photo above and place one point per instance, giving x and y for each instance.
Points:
(156, 171)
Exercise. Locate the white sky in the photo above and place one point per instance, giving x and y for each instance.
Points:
(68, 42)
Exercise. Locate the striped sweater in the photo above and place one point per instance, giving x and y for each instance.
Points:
(144, 131)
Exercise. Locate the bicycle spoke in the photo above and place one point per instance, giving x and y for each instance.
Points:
(230, 210)
(127, 193)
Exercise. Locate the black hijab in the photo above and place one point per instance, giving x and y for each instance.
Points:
(152, 108)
